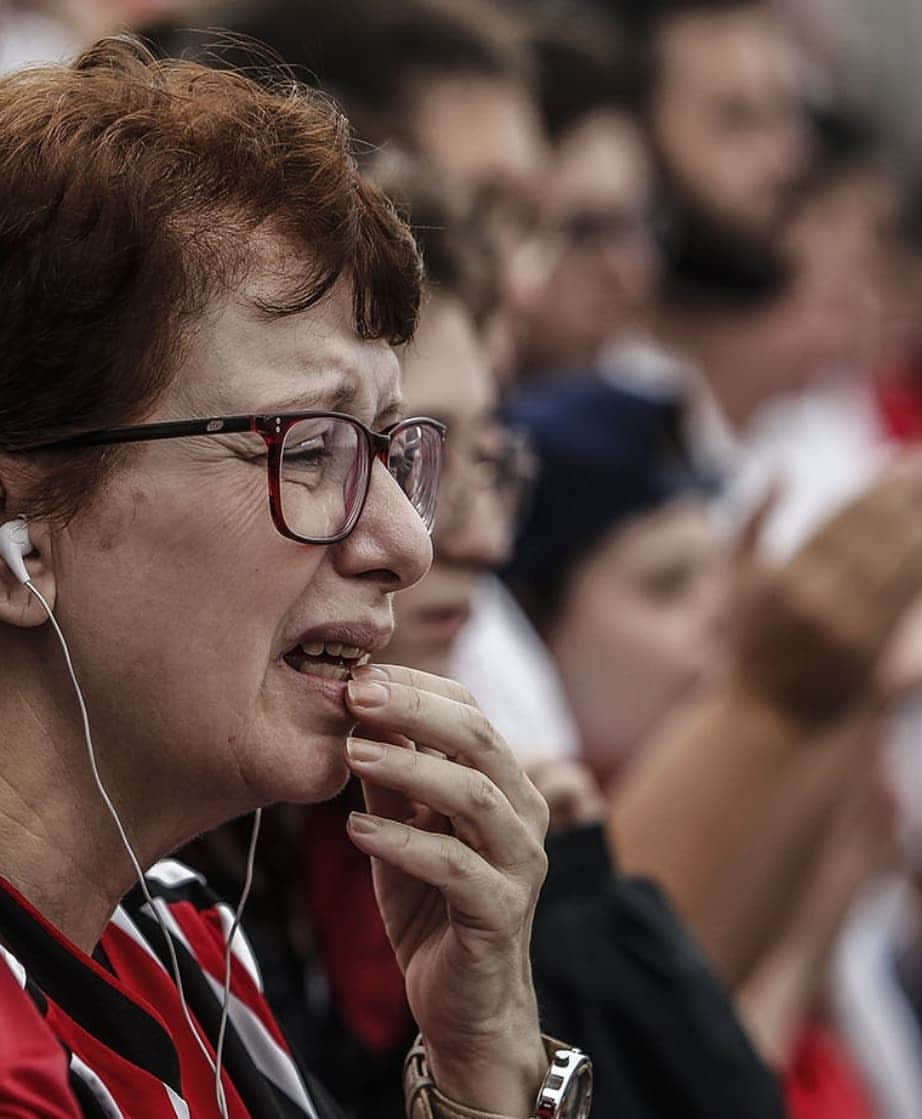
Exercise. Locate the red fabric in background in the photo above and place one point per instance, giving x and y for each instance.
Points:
(899, 396)
(33, 1066)
(365, 979)
(821, 1082)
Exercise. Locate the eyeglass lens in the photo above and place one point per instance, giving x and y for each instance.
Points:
(325, 468)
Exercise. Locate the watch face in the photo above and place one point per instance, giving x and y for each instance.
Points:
(578, 1097)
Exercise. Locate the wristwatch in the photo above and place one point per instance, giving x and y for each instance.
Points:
(565, 1094)
(567, 1089)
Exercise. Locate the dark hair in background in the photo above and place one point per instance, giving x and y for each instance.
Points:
(606, 455)
(843, 142)
(132, 190)
(369, 53)
(458, 254)
(642, 21)
(584, 66)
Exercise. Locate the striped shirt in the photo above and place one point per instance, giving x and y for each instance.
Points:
(118, 1017)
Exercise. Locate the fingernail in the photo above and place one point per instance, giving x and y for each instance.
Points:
(368, 694)
(361, 750)
(369, 672)
(362, 824)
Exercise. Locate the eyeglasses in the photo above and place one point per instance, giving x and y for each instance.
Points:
(319, 463)
(504, 465)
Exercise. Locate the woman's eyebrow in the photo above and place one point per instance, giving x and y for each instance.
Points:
(336, 398)
(390, 413)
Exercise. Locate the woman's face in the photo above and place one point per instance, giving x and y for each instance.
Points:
(181, 600)
(639, 629)
(446, 374)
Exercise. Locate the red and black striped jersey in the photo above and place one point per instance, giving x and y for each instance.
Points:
(118, 1018)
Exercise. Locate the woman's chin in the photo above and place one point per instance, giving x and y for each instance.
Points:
(302, 769)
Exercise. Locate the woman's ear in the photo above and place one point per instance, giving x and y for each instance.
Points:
(18, 605)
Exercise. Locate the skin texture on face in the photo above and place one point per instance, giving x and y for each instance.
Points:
(446, 374)
(639, 629)
(724, 114)
(600, 178)
(180, 598)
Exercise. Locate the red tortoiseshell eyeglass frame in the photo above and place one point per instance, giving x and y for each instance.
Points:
(274, 431)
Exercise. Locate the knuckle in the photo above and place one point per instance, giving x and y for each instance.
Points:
(481, 730)
(453, 856)
(484, 795)
(414, 702)
(462, 695)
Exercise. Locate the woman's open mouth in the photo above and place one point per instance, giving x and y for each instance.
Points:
(326, 658)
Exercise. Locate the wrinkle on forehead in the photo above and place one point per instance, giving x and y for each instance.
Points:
(241, 360)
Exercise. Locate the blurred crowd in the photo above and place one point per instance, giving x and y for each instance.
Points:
(674, 265)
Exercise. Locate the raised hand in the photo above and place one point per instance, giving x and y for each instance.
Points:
(811, 633)
(456, 831)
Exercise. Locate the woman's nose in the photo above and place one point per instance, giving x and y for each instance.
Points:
(390, 542)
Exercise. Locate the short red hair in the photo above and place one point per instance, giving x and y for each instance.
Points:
(131, 191)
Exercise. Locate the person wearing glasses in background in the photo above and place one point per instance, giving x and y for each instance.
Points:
(209, 499)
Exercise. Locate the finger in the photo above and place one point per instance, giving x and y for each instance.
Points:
(481, 895)
(382, 801)
(413, 678)
(483, 817)
(462, 732)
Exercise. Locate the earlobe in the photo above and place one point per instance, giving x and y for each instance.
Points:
(18, 605)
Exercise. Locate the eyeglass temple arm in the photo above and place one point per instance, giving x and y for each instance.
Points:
(173, 429)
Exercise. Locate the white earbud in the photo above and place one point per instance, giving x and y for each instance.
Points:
(15, 545)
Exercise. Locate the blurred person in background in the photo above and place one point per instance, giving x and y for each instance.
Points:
(597, 283)
(721, 103)
(618, 564)
(820, 340)
(723, 107)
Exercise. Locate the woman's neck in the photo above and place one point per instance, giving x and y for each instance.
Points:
(58, 843)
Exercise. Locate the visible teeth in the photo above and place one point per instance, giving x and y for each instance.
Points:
(331, 649)
(363, 660)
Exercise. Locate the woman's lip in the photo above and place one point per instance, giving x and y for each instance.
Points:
(327, 687)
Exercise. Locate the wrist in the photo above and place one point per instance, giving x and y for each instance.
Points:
(501, 1076)
(764, 715)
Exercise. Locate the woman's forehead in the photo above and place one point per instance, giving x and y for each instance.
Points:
(241, 359)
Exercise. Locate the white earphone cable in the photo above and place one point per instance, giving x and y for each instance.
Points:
(216, 1064)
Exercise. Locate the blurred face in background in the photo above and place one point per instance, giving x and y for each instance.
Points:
(446, 374)
(596, 213)
(481, 131)
(639, 629)
(833, 315)
(725, 114)
(486, 134)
